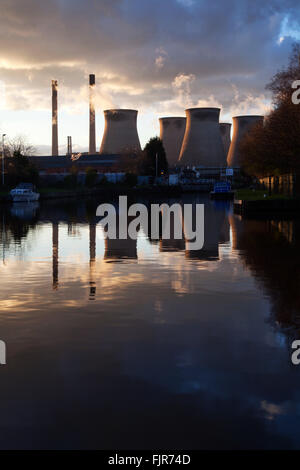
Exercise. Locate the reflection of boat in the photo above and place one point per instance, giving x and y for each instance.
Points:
(222, 190)
(24, 211)
(24, 193)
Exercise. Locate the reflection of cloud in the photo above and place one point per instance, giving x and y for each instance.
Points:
(272, 410)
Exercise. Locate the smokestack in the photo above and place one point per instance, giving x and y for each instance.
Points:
(120, 132)
(69, 149)
(54, 119)
(202, 144)
(92, 145)
(225, 129)
(241, 125)
(171, 133)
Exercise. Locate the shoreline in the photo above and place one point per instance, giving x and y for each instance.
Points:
(53, 194)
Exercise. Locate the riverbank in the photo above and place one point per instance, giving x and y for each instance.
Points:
(257, 202)
(266, 207)
(110, 190)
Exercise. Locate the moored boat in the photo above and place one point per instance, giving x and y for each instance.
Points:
(222, 190)
(24, 192)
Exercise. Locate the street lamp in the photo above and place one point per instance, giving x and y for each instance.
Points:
(3, 135)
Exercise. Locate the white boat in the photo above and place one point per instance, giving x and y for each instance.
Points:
(24, 193)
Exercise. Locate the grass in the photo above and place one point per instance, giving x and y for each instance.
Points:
(257, 195)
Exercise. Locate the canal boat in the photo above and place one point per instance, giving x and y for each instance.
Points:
(24, 192)
(222, 190)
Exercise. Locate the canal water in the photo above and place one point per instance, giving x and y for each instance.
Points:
(144, 344)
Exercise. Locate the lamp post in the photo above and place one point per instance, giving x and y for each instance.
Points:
(3, 135)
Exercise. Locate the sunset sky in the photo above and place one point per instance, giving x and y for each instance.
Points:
(157, 56)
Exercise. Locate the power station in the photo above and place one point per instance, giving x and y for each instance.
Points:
(172, 131)
(120, 132)
(202, 144)
(241, 125)
(198, 140)
(225, 129)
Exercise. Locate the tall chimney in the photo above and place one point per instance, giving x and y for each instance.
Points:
(54, 119)
(92, 146)
(69, 147)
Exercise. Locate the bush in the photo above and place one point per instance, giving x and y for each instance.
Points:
(90, 177)
(130, 179)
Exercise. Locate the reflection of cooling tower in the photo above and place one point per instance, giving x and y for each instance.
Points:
(54, 119)
(225, 129)
(202, 144)
(213, 222)
(92, 146)
(120, 132)
(241, 125)
(171, 133)
(120, 249)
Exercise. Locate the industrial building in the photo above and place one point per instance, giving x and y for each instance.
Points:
(172, 131)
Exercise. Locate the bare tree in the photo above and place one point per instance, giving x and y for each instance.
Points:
(19, 145)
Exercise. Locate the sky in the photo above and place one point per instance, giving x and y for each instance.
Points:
(157, 56)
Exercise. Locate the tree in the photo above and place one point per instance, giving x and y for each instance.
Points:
(274, 149)
(90, 177)
(154, 158)
(19, 146)
(281, 84)
(19, 169)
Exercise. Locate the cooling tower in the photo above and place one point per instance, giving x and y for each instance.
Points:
(172, 131)
(54, 119)
(225, 129)
(202, 144)
(241, 125)
(120, 132)
(92, 143)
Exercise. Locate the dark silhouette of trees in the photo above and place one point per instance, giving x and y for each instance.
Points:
(154, 158)
(274, 149)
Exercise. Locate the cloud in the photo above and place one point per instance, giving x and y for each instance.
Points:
(182, 87)
(158, 57)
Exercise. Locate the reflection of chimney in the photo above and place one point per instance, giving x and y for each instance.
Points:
(92, 260)
(55, 255)
(92, 147)
(54, 119)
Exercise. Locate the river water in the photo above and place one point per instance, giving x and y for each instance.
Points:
(140, 345)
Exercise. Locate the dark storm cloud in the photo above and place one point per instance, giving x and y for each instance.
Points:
(223, 51)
